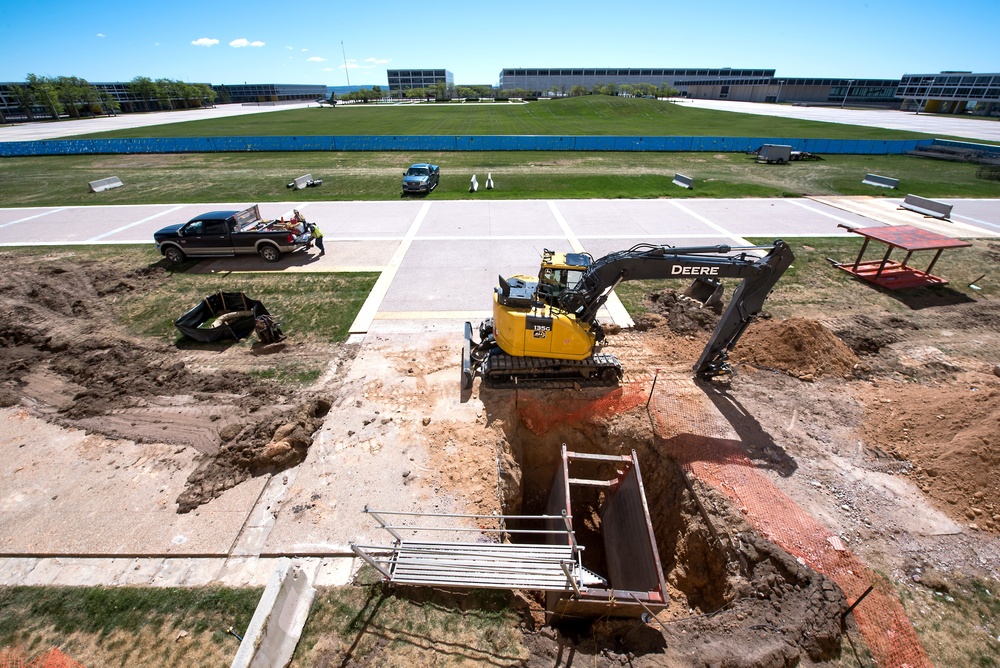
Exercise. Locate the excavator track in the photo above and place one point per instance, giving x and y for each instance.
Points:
(500, 370)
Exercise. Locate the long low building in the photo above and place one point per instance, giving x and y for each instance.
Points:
(544, 80)
(853, 92)
(951, 93)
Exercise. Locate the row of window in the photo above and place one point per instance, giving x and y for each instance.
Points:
(979, 80)
(636, 73)
(959, 93)
(726, 82)
(416, 73)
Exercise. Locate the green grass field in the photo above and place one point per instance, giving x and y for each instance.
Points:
(589, 115)
(262, 177)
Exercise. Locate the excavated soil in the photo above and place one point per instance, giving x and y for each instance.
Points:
(63, 355)
(884, 426)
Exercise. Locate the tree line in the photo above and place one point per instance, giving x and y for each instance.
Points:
(440, 92)
(75, 97)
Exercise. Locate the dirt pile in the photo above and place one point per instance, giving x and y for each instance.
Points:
(799, 347)
(268, 445)
(682, 314)
(951, 436)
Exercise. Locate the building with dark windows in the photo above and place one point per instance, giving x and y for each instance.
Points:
(268, 92)
(951, 93)
(404, 80)
(542, 81)
(854, 92)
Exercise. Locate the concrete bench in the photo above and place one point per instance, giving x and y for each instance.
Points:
(928, 207)
(306, 181)
(880, 181)
(683, 181)
(100, 185)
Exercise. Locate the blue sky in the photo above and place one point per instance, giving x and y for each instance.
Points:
(218, 41)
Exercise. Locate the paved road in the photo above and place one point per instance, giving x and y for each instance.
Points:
(932, 124)
(67, 129)
(439, 260)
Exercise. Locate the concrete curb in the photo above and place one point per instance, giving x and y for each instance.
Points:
(277, 624)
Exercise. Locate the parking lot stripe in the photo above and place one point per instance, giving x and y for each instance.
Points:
(37, 215)
(138, 222)
(740, 241)
(368, 310)
(573, 241)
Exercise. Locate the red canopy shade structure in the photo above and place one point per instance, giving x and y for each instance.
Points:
(893, 275)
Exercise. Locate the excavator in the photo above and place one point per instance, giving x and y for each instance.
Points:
(544, 331)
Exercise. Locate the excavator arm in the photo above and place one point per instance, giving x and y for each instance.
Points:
(706, 264)
(534, 307)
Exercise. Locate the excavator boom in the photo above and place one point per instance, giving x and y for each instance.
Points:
(559, 311)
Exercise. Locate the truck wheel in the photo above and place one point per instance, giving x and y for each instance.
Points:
(269, 253)
(174, 254)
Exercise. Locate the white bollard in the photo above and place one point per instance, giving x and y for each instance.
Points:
(473, 185)
(489, 181)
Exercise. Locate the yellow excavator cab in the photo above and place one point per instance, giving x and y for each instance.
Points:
(538, 330)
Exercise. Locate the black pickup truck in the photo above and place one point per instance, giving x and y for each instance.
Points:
(224, 233)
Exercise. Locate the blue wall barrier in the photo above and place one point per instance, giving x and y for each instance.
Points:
(453, 143)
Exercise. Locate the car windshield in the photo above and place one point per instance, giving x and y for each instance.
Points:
(417, 171)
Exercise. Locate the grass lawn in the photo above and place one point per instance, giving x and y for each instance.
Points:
(262, 177)
(588, 115)
(812, 285)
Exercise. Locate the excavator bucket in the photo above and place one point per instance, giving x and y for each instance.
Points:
(706, 290)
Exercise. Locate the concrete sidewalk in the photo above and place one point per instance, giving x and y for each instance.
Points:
(939, 125)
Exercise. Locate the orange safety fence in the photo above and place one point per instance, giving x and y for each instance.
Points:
(688, 422)
(14, 657)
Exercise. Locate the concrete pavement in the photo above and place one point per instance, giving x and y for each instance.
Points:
(939, 125)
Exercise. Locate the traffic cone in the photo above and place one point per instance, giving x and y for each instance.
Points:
(473, 185)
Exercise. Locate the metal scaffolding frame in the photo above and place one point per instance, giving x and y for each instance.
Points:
(487, 563)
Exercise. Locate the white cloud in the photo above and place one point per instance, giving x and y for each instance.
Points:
(351, 64)
(303, 50)
(101, 34)
(376, 61)
(290, 48)
(205, 41)
(316, 59)
(327, 69)
(241, 42)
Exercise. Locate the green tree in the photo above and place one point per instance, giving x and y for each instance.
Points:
(440, 89)
(25, 97)
(666, 90)
(208, 94)
(143, 90)
(577, 91)
(166, 93)
(377, 92)
(44, 92)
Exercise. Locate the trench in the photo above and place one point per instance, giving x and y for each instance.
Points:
(734, 597)
(695, 565)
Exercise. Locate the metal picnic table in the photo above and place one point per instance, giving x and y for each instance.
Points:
(894, 275)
